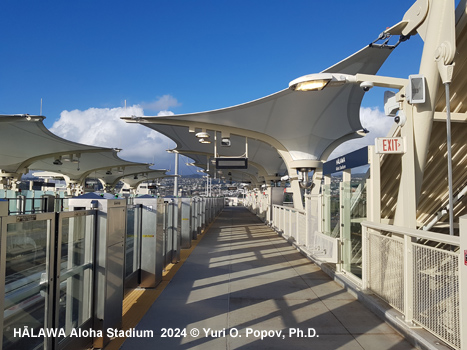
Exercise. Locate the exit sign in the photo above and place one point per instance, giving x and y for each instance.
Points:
(390, 145)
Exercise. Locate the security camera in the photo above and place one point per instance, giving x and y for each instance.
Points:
(400, 119)
(366, 85)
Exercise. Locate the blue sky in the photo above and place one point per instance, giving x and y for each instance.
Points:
(177, 56)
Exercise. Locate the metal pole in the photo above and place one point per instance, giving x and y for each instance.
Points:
(176, 175)
(448, 145)
(463, 280)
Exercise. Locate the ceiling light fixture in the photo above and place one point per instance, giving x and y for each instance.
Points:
(316, 82)
(202, 135)
(313, 82)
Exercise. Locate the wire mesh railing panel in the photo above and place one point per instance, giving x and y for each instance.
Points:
(302, 229)
(386, 269)
(286, 230)
(293, 224)
(280, 219)
(280, 214)
(436, 292)
(275, 217)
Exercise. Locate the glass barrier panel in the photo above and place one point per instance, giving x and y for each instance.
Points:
(12, 206)
(36, 204)
(357, 215)
(26, 287)
(29, 205)
(346, 226)
(331, 209)
(76, 275)
(354, 212)
(65, 204)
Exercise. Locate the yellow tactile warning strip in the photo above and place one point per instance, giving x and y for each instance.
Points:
(138, 302)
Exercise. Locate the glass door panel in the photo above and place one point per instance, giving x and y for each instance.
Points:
(75, 258)
(26, 263)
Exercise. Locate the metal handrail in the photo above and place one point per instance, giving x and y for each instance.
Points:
(289, 208)
(434, 236)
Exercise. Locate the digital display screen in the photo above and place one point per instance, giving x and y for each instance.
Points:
(231, 163)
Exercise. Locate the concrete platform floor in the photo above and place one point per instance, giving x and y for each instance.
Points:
(243, 282)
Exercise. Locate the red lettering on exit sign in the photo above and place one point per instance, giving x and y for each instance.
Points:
(390, 145)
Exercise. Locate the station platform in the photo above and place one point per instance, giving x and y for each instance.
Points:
(248, 288)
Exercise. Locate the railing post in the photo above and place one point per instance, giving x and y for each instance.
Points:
(463, 281)
(326, 206)
(307, 221)
(408, 279)
(374, 187)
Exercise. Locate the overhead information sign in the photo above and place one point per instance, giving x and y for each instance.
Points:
(231, 163)
(350, 160)
(389, 145)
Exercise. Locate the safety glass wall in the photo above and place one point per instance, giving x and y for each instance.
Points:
(47, 265)
(27, 274)
(75, 256)
(331, 209)
(33, 202)
(353, 211)
(47, 270)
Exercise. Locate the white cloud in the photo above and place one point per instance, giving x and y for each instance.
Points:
(161, 104)
(103, 127)
(374, 121)
(164, 113)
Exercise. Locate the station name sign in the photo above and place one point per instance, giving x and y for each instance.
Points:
(350, 160)
(390, 145)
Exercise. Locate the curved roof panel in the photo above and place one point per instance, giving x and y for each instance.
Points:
(132, 175)
(25, 143)
(252, 174)
(305, 124)
(24, 139)
(86, 164)
(265, 157)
